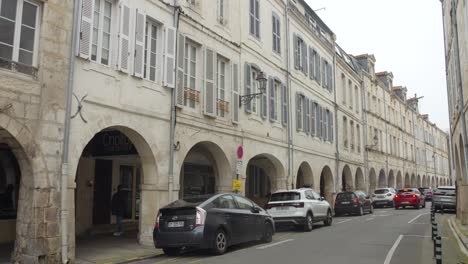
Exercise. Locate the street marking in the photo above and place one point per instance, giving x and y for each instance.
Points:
(412, 220)
(344, 221)
(275, 244)
(392, 250)
(383, 215)
(369, 219)
(422, 236)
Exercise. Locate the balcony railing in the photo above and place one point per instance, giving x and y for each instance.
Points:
(222, 105)
(18, 67)
(192, 95)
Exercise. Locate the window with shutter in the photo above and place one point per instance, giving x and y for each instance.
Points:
(140, 45)
(331, 126)
(276, 33)
(307, 116)
(84, 49)
(124, 38)
(210, 89)
(324, 77)
(320, 112)
(296, 51)
(101, 34)
(298, 112)
(254, 16)
(271, 87)
(304, 58)
(345, 132)
(150, 55)
(263, 104)
(325, 124)
(317, 121)
(284, 100)
(313, 110)
(235, 93)
(191, 93)
(351, 129)
(180, 85)
(169, 57)
(248, 86)
(222, 105)
(318, 69)
(311, 64)
(330, 77)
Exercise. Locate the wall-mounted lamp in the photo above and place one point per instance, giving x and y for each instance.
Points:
(262, 80)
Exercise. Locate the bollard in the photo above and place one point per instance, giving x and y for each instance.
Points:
(438, 250)
(434, 231)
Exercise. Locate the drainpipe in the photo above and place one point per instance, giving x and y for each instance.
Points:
(288, 81)
(66, 138)
(177, 11)
(460, 85)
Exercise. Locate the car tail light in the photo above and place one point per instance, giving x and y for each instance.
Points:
(297, 205)
(356, 200)
(396, 195)
(200, 217)
(414, 195)
(389, 194)
(156, 225)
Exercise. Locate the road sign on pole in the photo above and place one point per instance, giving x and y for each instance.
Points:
(240, 152)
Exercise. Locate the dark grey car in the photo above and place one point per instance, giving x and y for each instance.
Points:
(444, 198)
(211, 221)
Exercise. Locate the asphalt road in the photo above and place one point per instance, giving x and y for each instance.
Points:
(388, 236)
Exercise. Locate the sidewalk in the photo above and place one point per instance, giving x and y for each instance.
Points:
(453, 249)
(109, 249)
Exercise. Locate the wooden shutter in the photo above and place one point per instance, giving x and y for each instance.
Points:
(306, 116)
(124, 38)
(273, 94)
(296, 52)
(324, 125)
(210, 88)
(317, 68)
(140, 25)
(331, 126)
(248, 86)
(320, 118)
(87, 11)
(263, 104)
(235, 93)
(298, 112)
(311, 63)
(330, 77)
(180, 89)
(324, 80)
(169, 64)
(284, 99)
(304, 58)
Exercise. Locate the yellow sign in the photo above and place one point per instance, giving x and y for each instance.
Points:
(236, 185)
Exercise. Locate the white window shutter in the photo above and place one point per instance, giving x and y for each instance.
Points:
(235, 94)
(306, 115)
(330, 78)
(312, 118)
(264, 104)
(296, 52)
(271, 83)
(320, 118)
(180, 89)
(311, 63)
(86, 27)
(284, 99)
(140, 25)
(298, 112)
(248, 86)
(304, 58)
(124, 38)
(169, 63)
(330, 123)
(324, 124)
(318, 69)
(210, 88)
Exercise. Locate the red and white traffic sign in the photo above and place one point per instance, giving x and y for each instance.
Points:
(240, 152)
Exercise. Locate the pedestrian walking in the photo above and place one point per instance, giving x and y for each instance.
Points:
(119, 206)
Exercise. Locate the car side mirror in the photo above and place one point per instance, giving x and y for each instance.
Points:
(255, 210)
(322, 198)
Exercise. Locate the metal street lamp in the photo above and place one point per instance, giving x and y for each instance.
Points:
(246, 98)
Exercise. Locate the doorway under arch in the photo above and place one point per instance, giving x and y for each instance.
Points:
(327, 184)
(347, 180)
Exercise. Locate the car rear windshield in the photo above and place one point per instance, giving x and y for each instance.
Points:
(285, 196)
(444, 191)
(406, 191)
(381, 191)
(191, 201)
(345, 196)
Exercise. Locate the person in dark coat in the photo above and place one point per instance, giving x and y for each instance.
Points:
(119, 207)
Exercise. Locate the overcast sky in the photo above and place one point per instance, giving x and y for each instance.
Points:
(406, 38)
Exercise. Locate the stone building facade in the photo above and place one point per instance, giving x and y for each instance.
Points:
(312, 123)
(456, 56)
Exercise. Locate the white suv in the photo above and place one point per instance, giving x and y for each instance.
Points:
(383, 197)
(301, 207)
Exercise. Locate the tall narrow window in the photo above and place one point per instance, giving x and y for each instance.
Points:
(345, 132)
(276, 33)
(255, 89)
(221, 85)
(356, 98)
(190, 66)
(351, 128)
(18, 32)
(350, 87)
(221, 10)
(343, 83)
(277, 100)
(150, 59)
(100, 49)
(358, 136)
(255, 18)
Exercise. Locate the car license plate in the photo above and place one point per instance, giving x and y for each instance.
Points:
(345, 202)
(405, 202)
(380, 196)
(175, 224)
(282, 208)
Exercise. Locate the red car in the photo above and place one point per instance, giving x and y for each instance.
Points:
(409, 197)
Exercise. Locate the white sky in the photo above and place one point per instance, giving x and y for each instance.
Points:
(406, 38)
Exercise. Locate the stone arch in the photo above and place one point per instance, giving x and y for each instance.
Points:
(264, 175)
(418, 181)
(407, 181)
(359, 179)
(382, 179)
(327, 184)
(424, 181)
(101, 154)
(372, 180)
(305, 177)
(399, 180)
(391, 179)
(347, 179)
(413, 181)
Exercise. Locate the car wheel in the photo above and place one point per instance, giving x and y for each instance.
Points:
(309, 223)
(329, 220)
(268, 233)
(173, 251)
(361, 210)
(220, 242)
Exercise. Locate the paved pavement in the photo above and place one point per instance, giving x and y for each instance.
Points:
(388, 236)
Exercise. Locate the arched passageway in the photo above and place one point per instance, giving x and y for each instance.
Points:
(304, 176)
(407, 181)
(347, 179)
(418, 181)
(326, 184)
(360, 182)
(399, 180)
(391, 179)
(372, 180)
(382, 180)
(263, 172)
(413, 183)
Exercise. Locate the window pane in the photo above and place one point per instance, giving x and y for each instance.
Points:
(29, 14)
(107, 26)
(25, 57)
(105, 41)
(7, 29)
(27, 38)
(152, 74)
(105, 56)
(6, 52)
(107, 9)
(8, 9)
